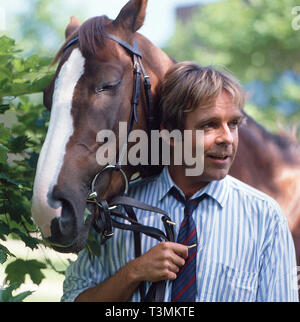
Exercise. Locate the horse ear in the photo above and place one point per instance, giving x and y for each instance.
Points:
(132, 16)
(72, 26)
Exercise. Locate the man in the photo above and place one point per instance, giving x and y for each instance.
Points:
(238, 248)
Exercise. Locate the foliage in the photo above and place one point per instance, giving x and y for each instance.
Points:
(19, 148)
(19, 76)
(43, 26)
(7, 296)
(17, 270)
(255, 40)
(39, 25)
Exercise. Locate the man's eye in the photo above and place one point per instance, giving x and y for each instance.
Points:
(209, 125)
(234, 123)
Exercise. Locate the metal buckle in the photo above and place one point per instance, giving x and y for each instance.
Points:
(108, 235)
(171, 222)
(93, 195)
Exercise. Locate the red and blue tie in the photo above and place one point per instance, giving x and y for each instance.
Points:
(184, 288)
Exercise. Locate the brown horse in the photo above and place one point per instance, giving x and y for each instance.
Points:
(92, 90)
(271, 163)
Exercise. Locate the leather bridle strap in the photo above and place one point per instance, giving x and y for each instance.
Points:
(138, 68)
(70, 43)
(157, 290)
(132, 49)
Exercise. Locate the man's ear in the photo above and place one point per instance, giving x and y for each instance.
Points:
(72, 26)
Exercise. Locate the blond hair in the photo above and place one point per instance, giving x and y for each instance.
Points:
(187, 86)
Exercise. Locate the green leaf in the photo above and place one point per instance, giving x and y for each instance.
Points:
(4, 108)
(18, 144)
(87, 213)
(92, 245)
(4, 177)
(33, 160)
(17, 270)
(5, 133)
(6, 294)
(29, 241)
(4, 252)
(7, 45)
(4, 230)
(3, 256)
(3, 153)
(20, 297)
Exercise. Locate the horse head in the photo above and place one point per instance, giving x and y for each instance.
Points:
(91, 91)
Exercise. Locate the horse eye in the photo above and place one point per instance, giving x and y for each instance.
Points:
(98, 90)
(107, 87)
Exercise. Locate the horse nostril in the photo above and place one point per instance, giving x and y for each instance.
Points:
(63, 228)
(67, 230)
(67, 217)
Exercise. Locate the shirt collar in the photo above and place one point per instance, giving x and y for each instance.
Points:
(217, 189)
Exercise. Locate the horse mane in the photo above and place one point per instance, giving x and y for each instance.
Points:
(283, 142)
(91, 36)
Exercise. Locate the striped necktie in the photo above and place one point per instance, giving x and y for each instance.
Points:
(184, 288)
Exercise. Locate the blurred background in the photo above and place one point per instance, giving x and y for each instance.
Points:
(257, 40)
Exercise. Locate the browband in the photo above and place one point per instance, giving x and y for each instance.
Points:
(134, 50)
(70, 43)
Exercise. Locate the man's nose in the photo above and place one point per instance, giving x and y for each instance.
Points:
(224, 136)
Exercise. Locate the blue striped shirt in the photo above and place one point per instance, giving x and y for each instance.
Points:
(245, 248)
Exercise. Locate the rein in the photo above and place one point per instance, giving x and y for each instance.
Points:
(104, 224)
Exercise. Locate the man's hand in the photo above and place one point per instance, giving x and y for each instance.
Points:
(162, 262)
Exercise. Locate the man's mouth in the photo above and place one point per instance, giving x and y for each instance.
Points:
(219, 156)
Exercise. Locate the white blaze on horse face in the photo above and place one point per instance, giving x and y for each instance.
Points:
(44, 208)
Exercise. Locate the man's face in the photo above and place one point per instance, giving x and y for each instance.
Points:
(220, 124)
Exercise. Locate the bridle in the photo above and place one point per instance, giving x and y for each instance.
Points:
(105, 222)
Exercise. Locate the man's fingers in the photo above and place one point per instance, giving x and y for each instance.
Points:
(173, 267)
(178, 260)
(180, 250)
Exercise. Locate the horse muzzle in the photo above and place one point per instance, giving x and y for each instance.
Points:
(61, 220)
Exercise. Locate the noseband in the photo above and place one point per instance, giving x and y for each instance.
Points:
(105, 222)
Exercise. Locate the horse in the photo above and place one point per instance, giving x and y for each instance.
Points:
(92, 90)
(271, 163)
